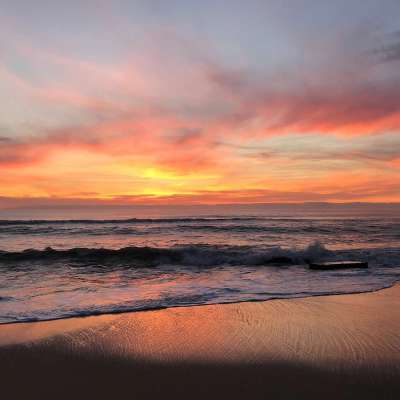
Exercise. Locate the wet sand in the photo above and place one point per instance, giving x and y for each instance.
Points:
(331, 347)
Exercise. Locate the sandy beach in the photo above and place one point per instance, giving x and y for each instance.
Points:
(340, 346)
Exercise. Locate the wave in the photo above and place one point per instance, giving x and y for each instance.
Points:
(6, 298)
(6, 222)
(62, 228)
(192, 255)
(373, 222)
(264, 229)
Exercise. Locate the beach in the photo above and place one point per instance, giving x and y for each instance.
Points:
(338, 346)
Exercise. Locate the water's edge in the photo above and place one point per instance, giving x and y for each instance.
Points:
(158, 308)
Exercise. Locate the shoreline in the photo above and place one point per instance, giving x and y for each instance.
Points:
(118, 312)
(336, 346)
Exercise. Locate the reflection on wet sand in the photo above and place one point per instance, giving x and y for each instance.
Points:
(337, 340)
(333, 329)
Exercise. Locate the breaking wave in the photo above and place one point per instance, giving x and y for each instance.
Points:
(191, 255)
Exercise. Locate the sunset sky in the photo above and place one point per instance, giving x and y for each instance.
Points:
(149, 102)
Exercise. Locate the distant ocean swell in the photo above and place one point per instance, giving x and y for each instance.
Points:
(125, 221)
(118, 230)
(249, 225)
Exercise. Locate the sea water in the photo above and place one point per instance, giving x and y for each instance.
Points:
(63, 263)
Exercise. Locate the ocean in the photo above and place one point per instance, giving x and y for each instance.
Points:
(58, 263)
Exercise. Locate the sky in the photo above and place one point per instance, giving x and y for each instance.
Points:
(189, 102)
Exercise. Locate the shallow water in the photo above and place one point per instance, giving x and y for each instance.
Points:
(56, 268)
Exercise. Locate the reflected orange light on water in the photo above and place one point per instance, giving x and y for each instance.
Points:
(312, 330)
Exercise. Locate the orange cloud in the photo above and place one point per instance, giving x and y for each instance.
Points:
(160, 131)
